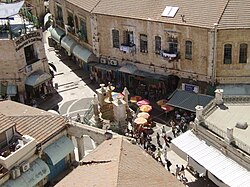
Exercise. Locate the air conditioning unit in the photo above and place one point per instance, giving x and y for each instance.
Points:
(103, 60)
(113, 62)
(25, 167)
(18, 172)
(13, 174)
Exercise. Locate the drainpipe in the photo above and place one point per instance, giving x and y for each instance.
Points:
(214, 54)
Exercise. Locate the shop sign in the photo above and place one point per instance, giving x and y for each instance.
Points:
(190, 87)
(27, 38)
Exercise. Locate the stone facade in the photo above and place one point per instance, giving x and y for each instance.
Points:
(195, 68)
(14, 68)
(234, 73)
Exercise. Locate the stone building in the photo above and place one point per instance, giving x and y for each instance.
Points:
(171, 42)
(24, 73)
(218, 145)
(35, 145)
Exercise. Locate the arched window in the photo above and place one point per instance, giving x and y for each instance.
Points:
(157, 44)
(115, 38)
(243, 53)
(188, 50)
(227, 53)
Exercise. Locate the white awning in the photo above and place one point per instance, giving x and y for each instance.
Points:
(11, 90)
(59, 149)
(68, 44)
(37, 78)
(56, 34)
(10, 9)
(82, 53)
(222, 167)
(38, 171)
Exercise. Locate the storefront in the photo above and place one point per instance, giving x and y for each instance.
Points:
(83, 56)
(68, 43)
(38, 85)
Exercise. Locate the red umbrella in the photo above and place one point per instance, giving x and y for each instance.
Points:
(145, 108)
(167, 108)
(143, 102)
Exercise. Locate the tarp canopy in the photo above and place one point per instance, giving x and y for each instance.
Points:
(188, 100)
(59, 149)
(128, 68)
(222, 167)
(10, 9)
(56, 34)
(38, 171)
(106, 67)
(232, 89)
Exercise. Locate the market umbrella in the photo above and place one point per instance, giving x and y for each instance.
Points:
(143, 102)
(140, 121)
(167, 108)
(135, 99)
(162, 102)
(145, 108)
(143, 115)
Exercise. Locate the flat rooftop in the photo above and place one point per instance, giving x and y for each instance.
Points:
(229, 115)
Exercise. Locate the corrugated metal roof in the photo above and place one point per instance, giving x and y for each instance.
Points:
(188, 100)
(224, 168)
(236, 15)
(196, 13)
(6, 123)
(117, 162)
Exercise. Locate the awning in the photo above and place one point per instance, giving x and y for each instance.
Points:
(222, 167)
(46, 18)
(38, 171)
(68, 43)
(149, 75)
(59, 149)
(128, 68)
(240, 90)
(188, 100)
(11, 90)
(37, 78)
(3, 89)
(83, 54)
(106, 67)
(10, 9)
(57, 34)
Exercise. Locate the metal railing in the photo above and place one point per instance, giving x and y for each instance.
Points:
(88, 115)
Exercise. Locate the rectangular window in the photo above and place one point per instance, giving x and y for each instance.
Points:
(143, 43)
(157, 44)
(59, 16)
(115, 37)
(128, 38)
(30, 55)
(243, 53)
(70, 19)
(173, 45)
(83, 30)
(227, 54)
(188, 50)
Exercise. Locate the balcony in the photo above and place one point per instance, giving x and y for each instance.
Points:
(169, 55)
(128, 48)
(17, 150)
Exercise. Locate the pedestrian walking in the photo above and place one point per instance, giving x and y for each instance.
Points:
(182, 172)
(177, 171)
(158, 139)
(158, 155)
(169, 164)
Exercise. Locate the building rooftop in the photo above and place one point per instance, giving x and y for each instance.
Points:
(6, 123)
(31, 121)
(117, 162)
